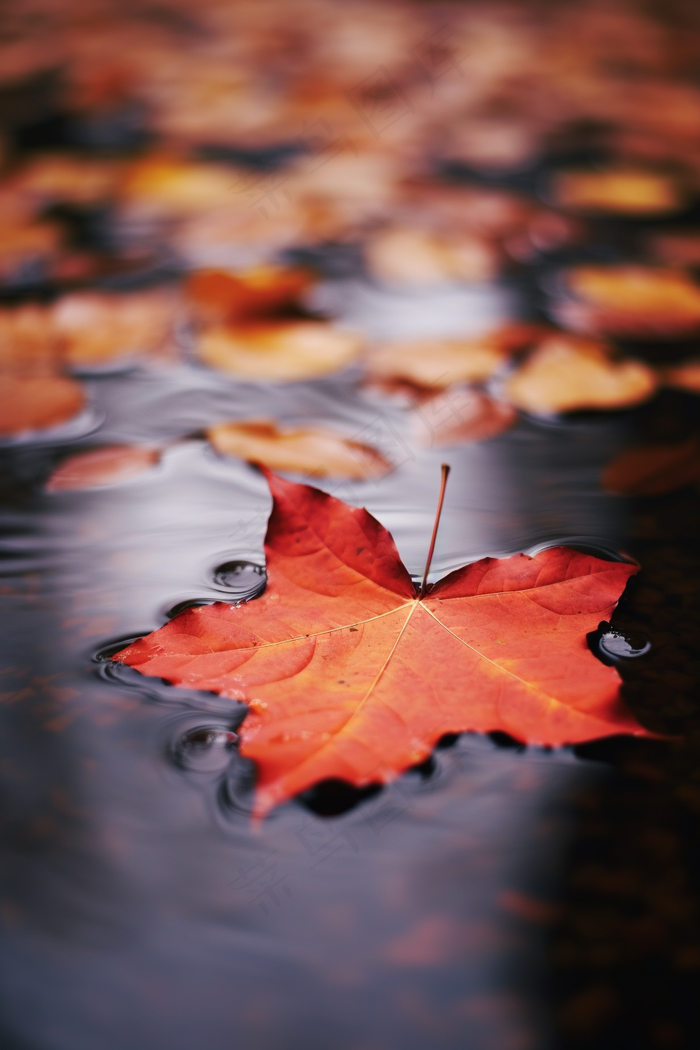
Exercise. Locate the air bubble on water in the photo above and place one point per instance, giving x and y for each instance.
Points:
(205, 749)
(624, 644)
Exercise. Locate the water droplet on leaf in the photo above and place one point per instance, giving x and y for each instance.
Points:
(243, 580)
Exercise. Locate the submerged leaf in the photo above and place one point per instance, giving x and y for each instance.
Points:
(651, 470)
(102, 466)
(316, 451)
(349, 673)
(460, 415)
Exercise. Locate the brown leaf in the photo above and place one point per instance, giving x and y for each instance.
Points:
(433, 364)
(618, 191)
(279, 351)
(686, 376)
(167, 185)
(316, 451)
(65, 177)
(28, 342)
(35, 402)
(675, 247)
(647, 302)
(98, 327)
(102, 466)
(652, 470)
(403, 255)
(220, 296)
(566, 373)
(461, 415)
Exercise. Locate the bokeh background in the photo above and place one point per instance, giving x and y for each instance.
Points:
(352, 241)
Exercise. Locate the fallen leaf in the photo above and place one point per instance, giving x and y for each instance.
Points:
(460, 415)
(350, 674)
(621, 191)
(647, 302)
(168, 185)
(686, 376)
(222, 296)
(566, 373)
(102, 466)
(433, 364)
(468, 208)
(28, 343)
(36, 402)
(490, 143)
(403, 255)
(24, 246)
(279, 351)
(63, 177)
(675, 247)
(651, 470)
(316, 451)
(98, 327)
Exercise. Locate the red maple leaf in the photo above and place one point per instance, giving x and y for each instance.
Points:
(352, 672)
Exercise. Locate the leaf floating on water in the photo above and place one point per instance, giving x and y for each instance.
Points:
(566, 373)
(96, 328)
(316, 451)
(652, 470)
(686, 376)
(647, 302)
(36, 402)
(28, 343)
(618, 191)
(222, 295)
(461, 415)
(433, 364)
(406, 256)
(349, 673)
(280, 351)
(102, 466)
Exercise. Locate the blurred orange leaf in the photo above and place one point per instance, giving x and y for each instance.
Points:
(37, 402)
(316, 451)
(281, 351)
(433, 364)
(102, 466)
(686, 376)
(220, 295)
(566, 373)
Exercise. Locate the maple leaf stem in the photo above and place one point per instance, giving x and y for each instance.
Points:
(441, 499)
